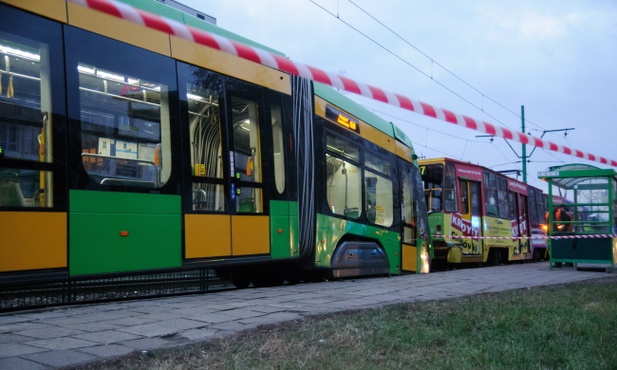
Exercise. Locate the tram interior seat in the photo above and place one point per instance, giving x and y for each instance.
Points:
(10, 193)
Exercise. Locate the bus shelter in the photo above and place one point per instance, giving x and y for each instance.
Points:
(583, 230)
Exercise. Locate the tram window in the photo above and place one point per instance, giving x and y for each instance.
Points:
(513, 205)
(343, 187)
(432, 176)
(537, 207)
(377, 163)
(490, 194)
(247, 154)
(206, 140)
(475, 199)
(491, 201)
(490, 180)
(203, 99)
(342, 148)
(449, 190)
(124, 128)
(464, 185)
(279, 153)
(208, 197)
(23, 69)
(249, 200)
(205, 125)
(533, 207)
(502, 194)
(25, 122)
(247, 148)
(523, 206)
(23, 188)
(379, 202)
(435, 196)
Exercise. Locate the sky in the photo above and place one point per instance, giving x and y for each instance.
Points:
(481, 58)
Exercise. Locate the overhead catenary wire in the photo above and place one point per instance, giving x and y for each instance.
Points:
(430, 76)
(434, 62)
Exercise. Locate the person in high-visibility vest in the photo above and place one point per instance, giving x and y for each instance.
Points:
(562, 219)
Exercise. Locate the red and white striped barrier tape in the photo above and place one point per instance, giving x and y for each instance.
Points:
(582, 236)
(266, 58)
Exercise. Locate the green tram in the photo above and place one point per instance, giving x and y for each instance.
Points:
(127, 150)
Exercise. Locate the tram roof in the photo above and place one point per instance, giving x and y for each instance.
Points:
(567, 176)
(329, 94)
(158, 8)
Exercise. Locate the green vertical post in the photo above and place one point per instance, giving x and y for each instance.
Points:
(611, 204)
(524, 156)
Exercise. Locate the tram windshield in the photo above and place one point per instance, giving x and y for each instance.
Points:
(439, 187)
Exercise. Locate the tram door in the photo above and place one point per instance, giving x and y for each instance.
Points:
(520, 223)
(409, 250)
(249, 223)
(470, 211)
(227, 212)
(415, 248)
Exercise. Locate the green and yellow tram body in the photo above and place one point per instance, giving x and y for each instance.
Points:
(477, 215)
(366, 160)
(126, 149)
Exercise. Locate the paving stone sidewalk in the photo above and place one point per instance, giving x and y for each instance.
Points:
(67, 336)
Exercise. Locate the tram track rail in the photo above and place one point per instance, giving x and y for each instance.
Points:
(111, 289)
